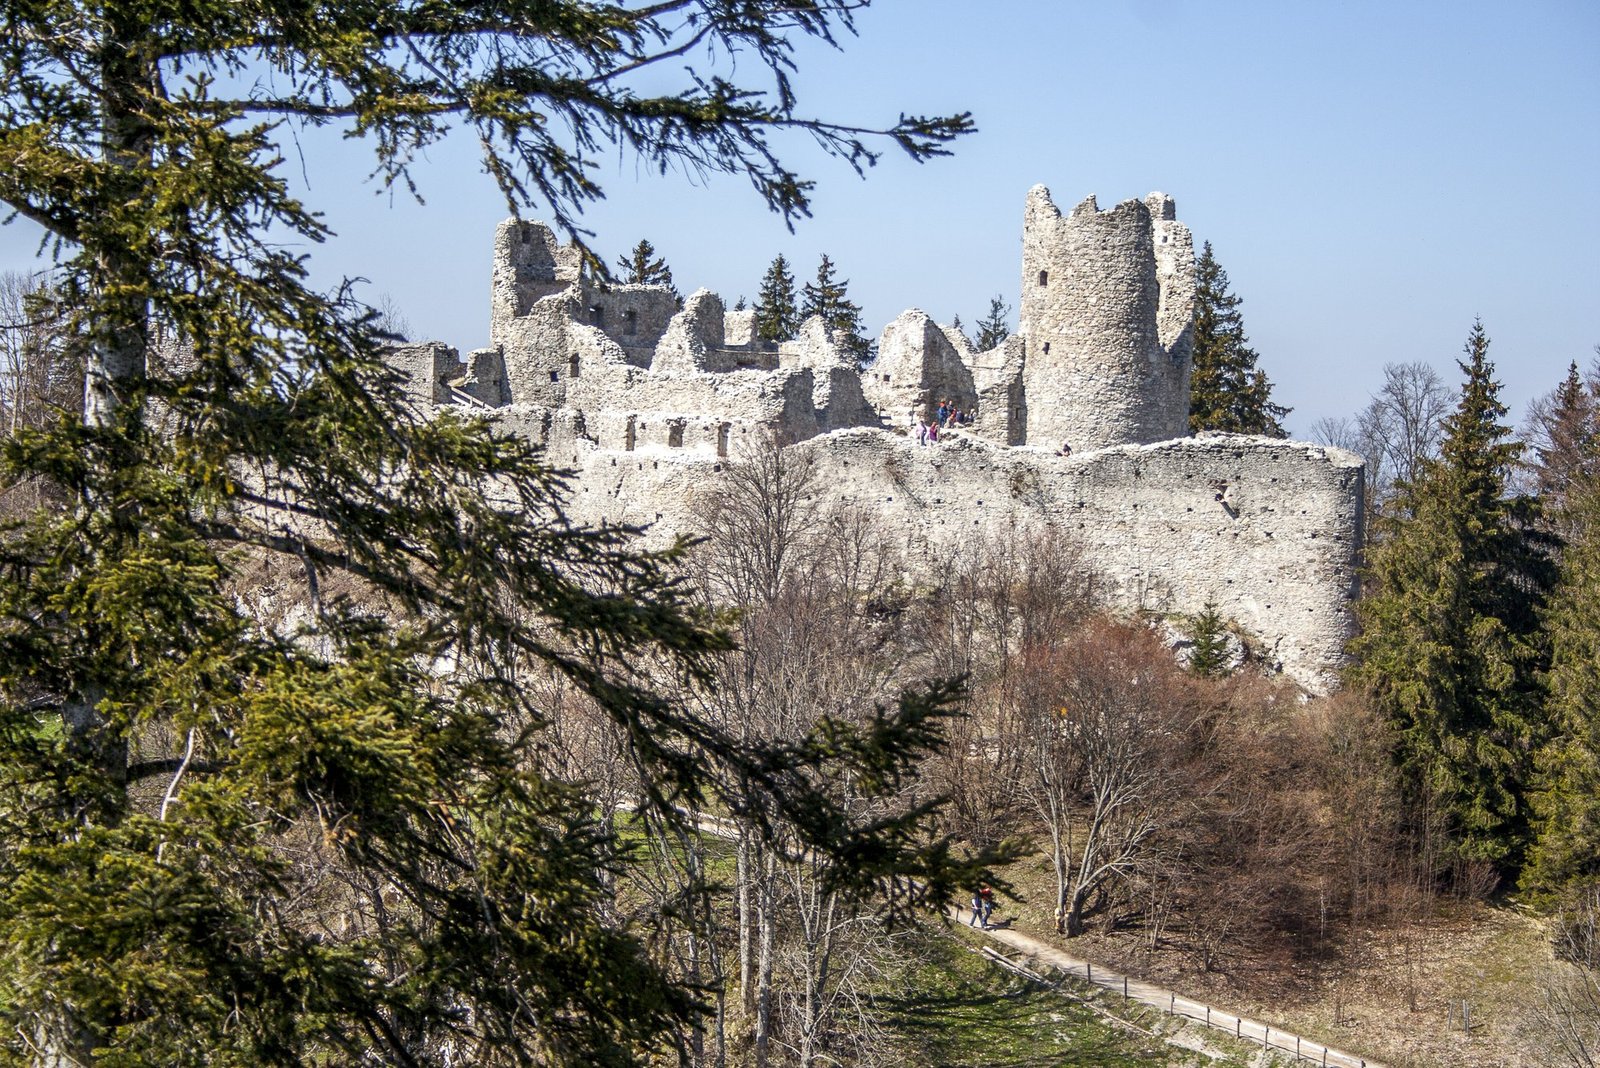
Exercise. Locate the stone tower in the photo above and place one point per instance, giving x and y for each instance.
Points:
(1107, 313)
(529, 263)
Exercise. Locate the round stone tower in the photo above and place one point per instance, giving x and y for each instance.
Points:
(1108, 317)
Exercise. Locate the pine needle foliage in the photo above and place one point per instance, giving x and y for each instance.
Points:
(1210, 657)
(642, 267)
(1227, 391)
(1450, 645)
(829, 297)
(1566, 803)
(995, 327)
(777, 312)
(323, 838)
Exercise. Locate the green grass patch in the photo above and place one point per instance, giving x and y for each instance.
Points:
(957, 1009)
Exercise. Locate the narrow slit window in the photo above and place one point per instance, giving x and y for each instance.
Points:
(1044, 278)
(630, 322)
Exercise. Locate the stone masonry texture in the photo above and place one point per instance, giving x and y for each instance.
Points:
(645, 399)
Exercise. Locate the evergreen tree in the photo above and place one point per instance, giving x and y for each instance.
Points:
(230, 838)
(1566, 850)
(830, 298)
(994, 328)
(1227, 391)
(1210, 657)
(777, 314)
(642, 267)
(1564, 426)
(1450, 644)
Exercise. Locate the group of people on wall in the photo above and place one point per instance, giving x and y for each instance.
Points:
(946, 417)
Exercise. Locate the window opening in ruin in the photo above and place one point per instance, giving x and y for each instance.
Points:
(675, 434)
(1044, 278)
(723, 432)
(527, 235)
(572, 369)
(630, 435)
(555, 376)
(630, 322)
(1047, 348)
(597, 316)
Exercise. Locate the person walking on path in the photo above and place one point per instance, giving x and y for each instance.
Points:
(977, 911)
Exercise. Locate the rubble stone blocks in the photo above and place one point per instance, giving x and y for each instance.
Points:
(644, 400)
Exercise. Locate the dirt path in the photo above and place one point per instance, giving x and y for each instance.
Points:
(1241, 1027)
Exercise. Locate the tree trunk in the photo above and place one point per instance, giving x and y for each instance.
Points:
(766, 937)
(1080, 894)
(1058, 857)
(742, 878)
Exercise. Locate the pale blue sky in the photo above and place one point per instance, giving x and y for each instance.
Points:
(1372, 175)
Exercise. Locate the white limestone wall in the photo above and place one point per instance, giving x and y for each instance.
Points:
(424, 370)
(917, 367)
(694, 339)
(528, 265)
(1268, 530)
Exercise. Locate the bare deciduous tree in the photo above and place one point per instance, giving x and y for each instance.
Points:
(1109, 728)
(1403, 426)
(1567, 1015)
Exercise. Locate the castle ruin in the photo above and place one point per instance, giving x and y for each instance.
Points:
(644, 400)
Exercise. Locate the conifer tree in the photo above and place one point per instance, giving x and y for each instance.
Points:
(993, 328)
(642, 267)
(1227, 391)
(830, 298)
(1450, 645)
(1564, 426)
(234, 838)
(1209, 658)
(777, 314)
(1566, 803)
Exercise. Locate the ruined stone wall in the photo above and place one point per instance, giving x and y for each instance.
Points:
(695, 339)
(528, 265)
(1002, 409)
(918, 366)
(835, 374)
(547, 350)
(1267, 530)
(646, 403)
(635, 317)
(425, 371)
(1096, 370)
